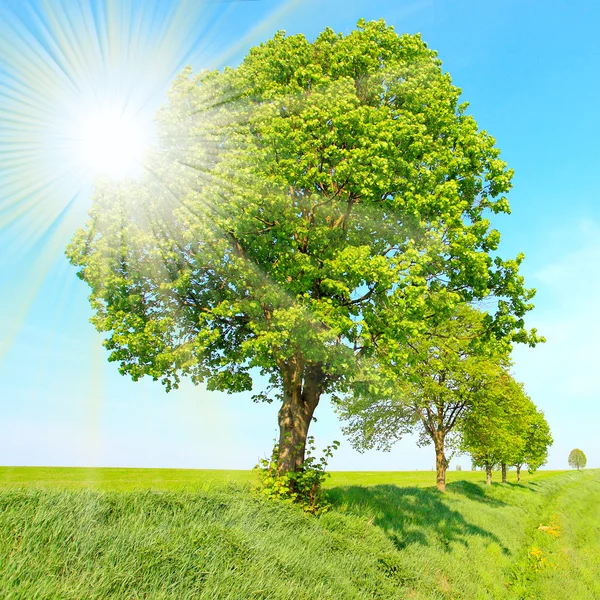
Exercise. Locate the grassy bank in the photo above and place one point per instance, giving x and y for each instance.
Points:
(382, 540)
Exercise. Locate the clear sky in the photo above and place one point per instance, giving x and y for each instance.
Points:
(530, 72)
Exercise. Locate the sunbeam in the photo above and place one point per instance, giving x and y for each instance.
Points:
(80, 83)
(79, 86)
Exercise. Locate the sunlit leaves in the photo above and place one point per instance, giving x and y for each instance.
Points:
(505, 427)
(323, 201)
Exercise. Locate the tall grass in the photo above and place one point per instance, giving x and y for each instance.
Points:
(216, 544)
(379, 541)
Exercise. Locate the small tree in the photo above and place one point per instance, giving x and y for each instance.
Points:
(538, 439)
(489, 432)
(577, 459)
(521, 420)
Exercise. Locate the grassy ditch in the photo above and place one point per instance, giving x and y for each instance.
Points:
(378, 541)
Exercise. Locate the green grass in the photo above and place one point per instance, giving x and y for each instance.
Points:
(204, 534)
(117, 479)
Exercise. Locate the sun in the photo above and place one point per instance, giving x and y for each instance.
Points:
(110, 141)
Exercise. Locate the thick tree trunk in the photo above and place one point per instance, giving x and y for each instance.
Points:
(441, 464)
(503, 472)
(488, 474)
(301, 394)
(518, 473)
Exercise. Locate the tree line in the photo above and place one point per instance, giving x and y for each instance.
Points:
(456, 390)
(320, 216)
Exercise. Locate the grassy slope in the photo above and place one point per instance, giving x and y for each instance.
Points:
(381, 541)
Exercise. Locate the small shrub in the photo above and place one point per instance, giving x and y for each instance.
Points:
(303, 487)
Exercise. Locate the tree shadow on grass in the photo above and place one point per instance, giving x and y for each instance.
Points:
(474, 492)
(410, 515)
(521, 486)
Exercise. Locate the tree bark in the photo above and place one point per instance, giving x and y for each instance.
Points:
(441, 464)
(518, 473)
(301, 393)
(503, 472)
(488, 474)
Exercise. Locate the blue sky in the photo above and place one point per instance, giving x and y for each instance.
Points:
(529, 71)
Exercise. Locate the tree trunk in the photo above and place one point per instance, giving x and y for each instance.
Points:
(441, 464)
(301, 394)
(503, 472)
(518, 473)
(488, 474)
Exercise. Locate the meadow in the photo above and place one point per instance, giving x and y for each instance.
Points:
(153, 533)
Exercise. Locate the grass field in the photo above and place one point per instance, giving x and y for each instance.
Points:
(117, 479)
(178, 534)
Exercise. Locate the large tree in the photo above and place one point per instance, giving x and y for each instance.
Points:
(300, 210)
(445, 371)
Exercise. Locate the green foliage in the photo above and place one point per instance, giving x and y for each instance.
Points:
(303, 486)
(494, 432)
(311, 208)
(437, 383)
(577, 459)
(536, 439)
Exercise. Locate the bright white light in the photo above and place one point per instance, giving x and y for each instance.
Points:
(110, 142)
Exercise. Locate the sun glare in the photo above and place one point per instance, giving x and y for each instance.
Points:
(111, 143)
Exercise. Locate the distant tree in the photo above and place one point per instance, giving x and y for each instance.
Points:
(301, 209)
(438, 383)
(577, 459)
(534, 452)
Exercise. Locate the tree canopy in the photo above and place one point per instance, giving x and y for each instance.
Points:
(537, 440)
(309, 209)
(577, 459)
(445, 372)
(495, 431)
